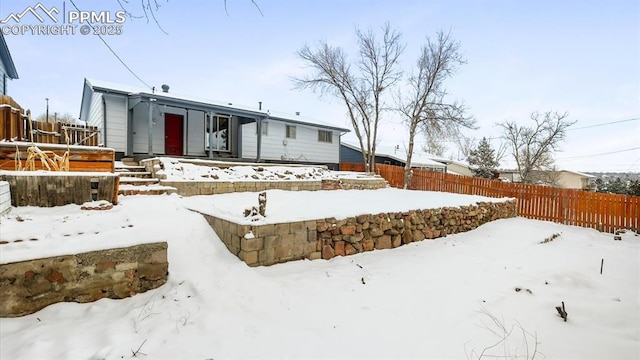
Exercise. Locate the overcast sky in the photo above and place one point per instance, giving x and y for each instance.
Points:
(582, 57)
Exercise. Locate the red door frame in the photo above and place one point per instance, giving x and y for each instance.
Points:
(173, 134)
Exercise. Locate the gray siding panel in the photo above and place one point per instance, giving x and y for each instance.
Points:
(195, 133)
(96, 114)
(304, 148)
(116, 109)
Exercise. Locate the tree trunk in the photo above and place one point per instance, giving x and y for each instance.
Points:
(407, 165)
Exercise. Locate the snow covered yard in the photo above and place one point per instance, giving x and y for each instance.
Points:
(430, 299)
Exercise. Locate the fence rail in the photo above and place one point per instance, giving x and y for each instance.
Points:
(605, 212)
(15, 125)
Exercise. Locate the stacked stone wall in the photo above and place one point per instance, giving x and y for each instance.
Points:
(326, 238)
(28, 286)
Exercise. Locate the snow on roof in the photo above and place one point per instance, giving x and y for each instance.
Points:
(419, 159)
(108, 86)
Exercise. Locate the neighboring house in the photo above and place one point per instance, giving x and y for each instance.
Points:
(509, 175)
(128, 117)
(7, 68)
(351, 153)
(454, 166)
(561, 178)
(575, 180)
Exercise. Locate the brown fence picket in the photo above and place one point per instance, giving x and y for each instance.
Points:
(605, 212)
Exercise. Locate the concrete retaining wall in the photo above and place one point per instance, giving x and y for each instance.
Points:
(47, 189)
(325, 238)
(28, 286)
(5, 197)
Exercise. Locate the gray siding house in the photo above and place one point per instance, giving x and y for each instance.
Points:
(139, 121)
(7, 68)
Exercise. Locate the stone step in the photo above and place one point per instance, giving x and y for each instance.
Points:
(128, 180)
(128, 189)
(135, 168)
(129, 161)
(136, 174)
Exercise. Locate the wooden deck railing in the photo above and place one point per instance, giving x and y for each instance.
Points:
(605, 212)
(15, 126)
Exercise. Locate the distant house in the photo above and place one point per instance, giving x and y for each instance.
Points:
(509, 175)
(561, 178)
(7, 68)
(575, 180)
(139, 121)
(351, 153)
(454, 166)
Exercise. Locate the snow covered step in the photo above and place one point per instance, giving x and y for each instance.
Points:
(136, 174)
(137, 181)
(129, 168)
(128, 189)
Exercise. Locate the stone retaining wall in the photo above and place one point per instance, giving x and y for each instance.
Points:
(325, 238)
(28, 286)
(192, 187)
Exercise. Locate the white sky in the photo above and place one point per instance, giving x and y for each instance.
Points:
(578, 56)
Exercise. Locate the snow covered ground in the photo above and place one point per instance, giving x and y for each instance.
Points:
(203, 170)
(283, 206)
(441, 299)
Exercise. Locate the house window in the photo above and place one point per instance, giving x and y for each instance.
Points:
(290, 132)
(325, 136)
(219, 135)
(265, 128)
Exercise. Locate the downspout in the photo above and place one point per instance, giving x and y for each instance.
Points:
(259, 139)
(210, 134)
(104, 120)
(185, 133)
(128, 129)
(150, 127)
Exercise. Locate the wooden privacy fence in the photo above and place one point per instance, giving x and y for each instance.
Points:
(393, 174)
(605, 212)
(15, 126)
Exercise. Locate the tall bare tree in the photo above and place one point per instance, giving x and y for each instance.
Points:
(360, 85)
(424, 105)
(533, 147)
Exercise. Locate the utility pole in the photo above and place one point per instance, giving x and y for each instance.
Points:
(47, 99)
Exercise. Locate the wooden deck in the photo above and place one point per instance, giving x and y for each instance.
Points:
(81, 158)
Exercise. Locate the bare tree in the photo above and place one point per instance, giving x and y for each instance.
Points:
(465, 145)
(360, 85)
(424, 105)
(434, 147)
(532, 147)
(147, 9)
(65, 118)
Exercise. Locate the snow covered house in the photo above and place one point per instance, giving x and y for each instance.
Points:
(7, 68)
(351, 153)
(575, 180)
(137, 121)
(566, 179)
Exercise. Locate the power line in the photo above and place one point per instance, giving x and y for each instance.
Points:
(604, 124)
(600, 154)
(115, 54)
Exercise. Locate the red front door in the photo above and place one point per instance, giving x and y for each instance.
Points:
(173, 134)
